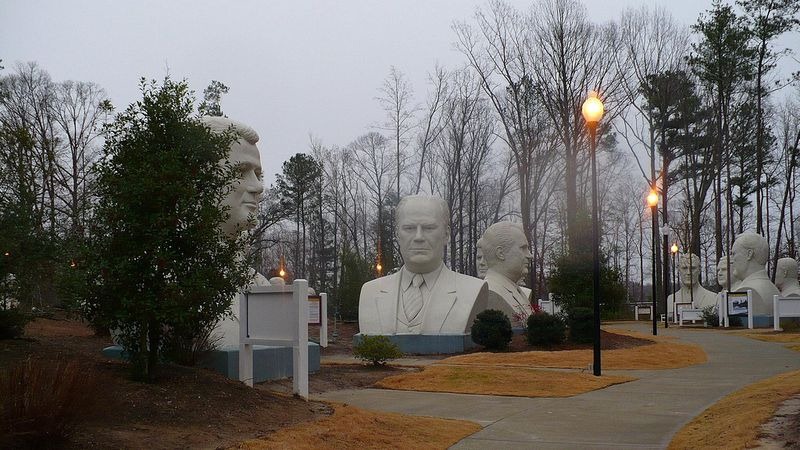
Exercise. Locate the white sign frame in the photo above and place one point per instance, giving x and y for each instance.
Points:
(749, 295)
(323, 317)
(784, 307)
(291, 300)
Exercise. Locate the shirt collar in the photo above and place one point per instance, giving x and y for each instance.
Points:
(430, 277)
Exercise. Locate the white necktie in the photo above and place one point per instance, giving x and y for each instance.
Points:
(412, 300)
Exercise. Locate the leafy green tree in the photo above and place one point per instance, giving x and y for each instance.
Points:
(766, 20)
(722, 59)
(355, 272)
(212, 95)
(571, 277)
(161, 268)
(300, 182)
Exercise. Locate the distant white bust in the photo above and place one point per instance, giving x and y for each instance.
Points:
(242, 200)
(242, 205)
(507, 254)
(786, 277)
(424, 296)
(748, 262)
(691, 291)
(480, 261)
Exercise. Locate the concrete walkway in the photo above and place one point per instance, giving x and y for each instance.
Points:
(642, 414)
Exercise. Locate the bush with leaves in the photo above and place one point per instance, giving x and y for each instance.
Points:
(376, 349)
(161, 268)
(710, 315)
(42, 402)
(12, 322)
(545, 329)
(492, 329)
(580, 322)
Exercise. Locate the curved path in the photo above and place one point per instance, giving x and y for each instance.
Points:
(642, 414)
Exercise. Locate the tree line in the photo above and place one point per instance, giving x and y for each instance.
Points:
(699, 113)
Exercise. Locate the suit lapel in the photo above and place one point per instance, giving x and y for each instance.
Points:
(443, 298)
(386, 303)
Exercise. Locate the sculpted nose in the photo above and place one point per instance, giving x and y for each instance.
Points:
(418, 233)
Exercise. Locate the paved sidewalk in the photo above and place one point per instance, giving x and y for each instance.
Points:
(642, 414)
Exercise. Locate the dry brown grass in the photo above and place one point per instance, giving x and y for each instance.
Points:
(500, 381)
(775, 336)
(660, 355)
(351, 427)
(734, 421)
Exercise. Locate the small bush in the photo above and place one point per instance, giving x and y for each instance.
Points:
(42, 402)
(710, 316)
(191, 347)
(376, 349)
(580, 321)
(492, 329)
(545, 329)
(12, 323)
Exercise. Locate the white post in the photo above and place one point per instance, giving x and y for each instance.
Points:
(300, 349)
(245, 350)
(323, 330)
(776, 317)
(749, 309)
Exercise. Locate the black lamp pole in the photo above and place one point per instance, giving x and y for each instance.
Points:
(653, 214)
(666, 274)
(592, 126)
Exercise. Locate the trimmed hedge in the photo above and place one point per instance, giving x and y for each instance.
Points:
(545, 329)
(492, 329)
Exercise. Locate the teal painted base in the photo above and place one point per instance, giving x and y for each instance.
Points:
(269, 363)
(428, 344)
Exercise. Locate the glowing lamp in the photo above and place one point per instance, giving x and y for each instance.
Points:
(674, 248)
(282, 273)
(592, 108)
(652, 199)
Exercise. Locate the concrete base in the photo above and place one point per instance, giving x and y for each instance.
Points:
(269, 363)
(428, 344)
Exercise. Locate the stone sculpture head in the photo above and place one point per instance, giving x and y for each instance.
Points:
(423, 228)
(689, 268)
(480, 261)
(785, 272)
(242, 200)
(506, 250)
(722, 272)
(749, 255)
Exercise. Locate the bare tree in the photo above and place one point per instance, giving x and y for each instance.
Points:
(395, 99)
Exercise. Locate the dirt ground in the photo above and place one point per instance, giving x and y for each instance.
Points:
(186, 408)
(197, 408)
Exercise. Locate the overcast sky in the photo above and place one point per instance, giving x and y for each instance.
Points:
(294, 67)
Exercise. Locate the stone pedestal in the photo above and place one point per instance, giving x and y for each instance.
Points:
(269, 363)
(428, 344)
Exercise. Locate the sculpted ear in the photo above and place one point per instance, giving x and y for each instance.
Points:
(499, 253)
(750, 253)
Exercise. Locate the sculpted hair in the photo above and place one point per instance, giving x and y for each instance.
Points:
(500, 234)
(788, 264)
(693, 259)
(757, 244)
(222, 124)
(441, 206)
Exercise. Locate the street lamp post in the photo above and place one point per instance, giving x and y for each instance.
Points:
(592, 111)
(652, 201)
(674, 250)
(665, 232)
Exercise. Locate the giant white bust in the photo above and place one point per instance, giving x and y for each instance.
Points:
(241, 204)
(424, 296)
(748, 263)
(506, 251)
(691, 291)
(480, 261)
(786, 277)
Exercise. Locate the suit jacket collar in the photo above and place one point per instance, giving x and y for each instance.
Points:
(430, 278)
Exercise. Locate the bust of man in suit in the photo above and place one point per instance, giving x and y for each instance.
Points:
(786, 277)
(691, 291)
(241, 203)
(424, 296)
(505, 249)
(748, 262)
